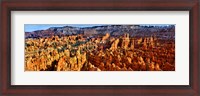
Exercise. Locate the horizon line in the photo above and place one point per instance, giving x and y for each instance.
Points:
(37, 27)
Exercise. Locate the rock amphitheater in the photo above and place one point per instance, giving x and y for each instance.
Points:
(100, 53)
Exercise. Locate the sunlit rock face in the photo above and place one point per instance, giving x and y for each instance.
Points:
(106, 37)
(102, 52)
(114, 45)
(132, 44)
(125, 41)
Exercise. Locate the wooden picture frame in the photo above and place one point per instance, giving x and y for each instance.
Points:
(99, 5)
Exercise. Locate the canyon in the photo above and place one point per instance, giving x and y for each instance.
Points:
(101, 48)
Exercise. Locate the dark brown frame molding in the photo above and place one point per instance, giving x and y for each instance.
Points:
(99, 5)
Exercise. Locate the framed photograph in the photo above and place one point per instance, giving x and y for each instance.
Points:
(102, 47)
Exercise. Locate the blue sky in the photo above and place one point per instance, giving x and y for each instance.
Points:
(34, 27)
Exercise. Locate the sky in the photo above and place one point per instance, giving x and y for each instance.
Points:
(34, 27)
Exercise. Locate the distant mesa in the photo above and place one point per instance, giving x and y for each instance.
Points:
(113, 30)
